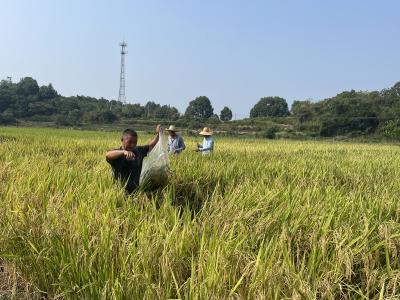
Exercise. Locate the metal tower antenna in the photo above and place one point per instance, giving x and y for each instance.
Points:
(121, 96)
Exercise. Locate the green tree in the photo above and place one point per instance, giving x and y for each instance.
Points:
(62, 120)
(43, 108)
(396, 89)
(302, 110)
(103, 116)
(214, 119)
(166, 112)
(7, 117)
(270, 107)
(47, 92)
(7, 95)
(27, 86)
(200, 108)
(150, 109)
(74, 116)
(226, 114)
(107, 116)
(133, 111)
(269, 133)
(391, 129)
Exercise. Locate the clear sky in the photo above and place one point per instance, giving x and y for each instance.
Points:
(234, 52)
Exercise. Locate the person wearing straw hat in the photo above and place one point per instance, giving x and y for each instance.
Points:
(208, 142)
(175, 142)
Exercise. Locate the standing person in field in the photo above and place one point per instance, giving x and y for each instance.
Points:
(208, 142)
(175, 142)
(126, 161)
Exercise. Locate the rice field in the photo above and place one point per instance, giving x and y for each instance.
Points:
(259, 219)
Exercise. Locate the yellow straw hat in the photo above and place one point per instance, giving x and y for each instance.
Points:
(206, 131)
(172, 128)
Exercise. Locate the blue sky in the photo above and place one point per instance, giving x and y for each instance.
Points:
(234, 52)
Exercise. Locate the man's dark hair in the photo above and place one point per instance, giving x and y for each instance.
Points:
(130, 132)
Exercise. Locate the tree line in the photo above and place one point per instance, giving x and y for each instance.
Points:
(27, 100)
(356, 112)
(350, 111)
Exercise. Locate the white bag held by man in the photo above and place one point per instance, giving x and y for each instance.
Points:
(155, 169)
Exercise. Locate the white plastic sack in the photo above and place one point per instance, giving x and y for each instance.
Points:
(155, 168)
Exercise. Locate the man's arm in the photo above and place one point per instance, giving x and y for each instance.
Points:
(154, 141)
(114, 154)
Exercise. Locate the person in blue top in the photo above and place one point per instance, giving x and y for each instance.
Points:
(175, 142)
(208, 142)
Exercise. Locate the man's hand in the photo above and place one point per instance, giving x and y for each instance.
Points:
(154, 141)
(158, 129)
(129, 155)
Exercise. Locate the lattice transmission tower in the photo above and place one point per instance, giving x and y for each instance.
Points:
(121, 96)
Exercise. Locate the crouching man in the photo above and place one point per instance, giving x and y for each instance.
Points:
(126, 161)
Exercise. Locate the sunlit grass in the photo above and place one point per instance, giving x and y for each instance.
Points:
(257, 220)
